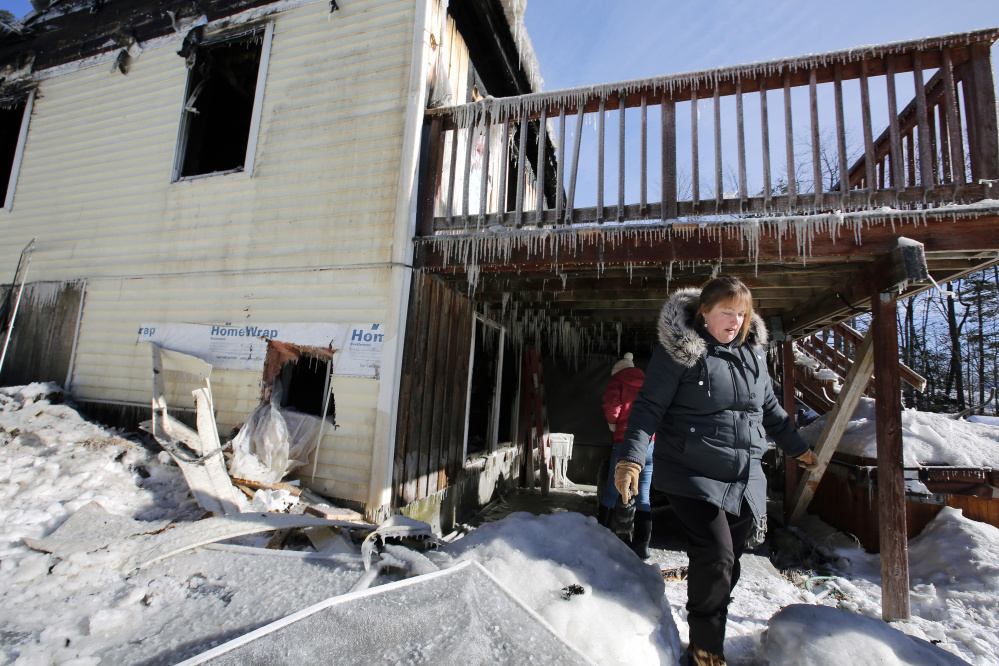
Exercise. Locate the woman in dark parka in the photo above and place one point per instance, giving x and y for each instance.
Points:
(708, 400)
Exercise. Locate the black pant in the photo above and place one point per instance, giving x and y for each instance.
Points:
(715, 543)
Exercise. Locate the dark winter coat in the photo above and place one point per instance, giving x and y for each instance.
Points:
(621, 391)
(710, 407)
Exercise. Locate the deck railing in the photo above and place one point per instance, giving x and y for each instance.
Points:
(488, 163)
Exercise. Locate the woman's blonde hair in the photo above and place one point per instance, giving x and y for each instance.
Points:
(727, 290)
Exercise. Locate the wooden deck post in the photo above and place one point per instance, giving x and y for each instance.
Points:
(891, 484)
(980, 107)
(791, 472)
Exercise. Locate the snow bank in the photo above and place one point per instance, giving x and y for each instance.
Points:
(926, 438)
(616, 619)
(805, 635)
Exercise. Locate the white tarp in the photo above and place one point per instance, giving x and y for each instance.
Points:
(244, 346)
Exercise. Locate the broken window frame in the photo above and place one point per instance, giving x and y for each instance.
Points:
(22, 137)
(180, 151)
(492, 428)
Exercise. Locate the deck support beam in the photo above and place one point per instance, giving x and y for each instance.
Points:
(891, 481)
(905, 264)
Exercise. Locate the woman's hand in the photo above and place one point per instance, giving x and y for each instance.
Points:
(626, 479)
(612, 426)
(808, 460)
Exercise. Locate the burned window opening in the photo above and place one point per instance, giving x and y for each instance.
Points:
(302, 374)
(11, 118)
(218, 112)
(304, 384)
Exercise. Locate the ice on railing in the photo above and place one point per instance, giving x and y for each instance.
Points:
(508, 108)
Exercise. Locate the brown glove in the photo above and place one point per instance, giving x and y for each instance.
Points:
(626, 479)
(808, 460)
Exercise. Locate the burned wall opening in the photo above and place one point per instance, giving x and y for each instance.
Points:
(218, 112)
(11, 117)
(304, 383)
(302, 375)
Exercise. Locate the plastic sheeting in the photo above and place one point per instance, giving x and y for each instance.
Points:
(460, 616)
(273, 442)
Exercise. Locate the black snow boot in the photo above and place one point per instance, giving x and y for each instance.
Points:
(603, 515)
(642, 534)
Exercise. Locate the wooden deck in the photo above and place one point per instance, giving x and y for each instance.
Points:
(806, 241)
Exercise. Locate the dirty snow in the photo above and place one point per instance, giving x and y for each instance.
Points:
(80, 609)
(926, 438)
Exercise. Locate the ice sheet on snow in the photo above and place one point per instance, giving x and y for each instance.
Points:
(91, 528)
(807, 635)
(926, 438)
(461, 616)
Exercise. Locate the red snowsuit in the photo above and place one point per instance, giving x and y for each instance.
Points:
(621, 391)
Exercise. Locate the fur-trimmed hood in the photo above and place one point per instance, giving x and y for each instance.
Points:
(678, 328)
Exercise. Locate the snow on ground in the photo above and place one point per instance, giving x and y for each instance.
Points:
(82, 610)
(926, 438)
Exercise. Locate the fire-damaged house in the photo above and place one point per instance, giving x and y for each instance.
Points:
(369, 212)
(235, 180)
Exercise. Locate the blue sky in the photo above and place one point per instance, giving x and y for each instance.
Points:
(582, 42)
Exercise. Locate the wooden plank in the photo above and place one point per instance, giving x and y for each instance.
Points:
(644, 169)
(931, 122)
(765, 139)
(870, 165)
(719, 185)
(484, 180)
(448, 364)
(891, 481)
(459, 383)
(539, 183)
(695, 170)
(813, 107)
(910, 160)
(741, 136)
(926, 159)
(437, 395)
(560, 172)
(435, 150)
(620, 164)
(504, 170)
(792, 188)
(980, 108)
(424, 402)
(956, 139)
(945, 152)
(408, 371)
(571, 198)
(668, 207)
(897, 171)
(449, 209)
(600, 159)
(420, 374)
(844, 170)
(521, 161)
(836, 422)
(467, 170)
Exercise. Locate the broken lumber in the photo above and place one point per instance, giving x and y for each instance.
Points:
(840, 415)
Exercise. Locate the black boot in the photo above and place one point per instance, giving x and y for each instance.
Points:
(642, 534)
(603, 515)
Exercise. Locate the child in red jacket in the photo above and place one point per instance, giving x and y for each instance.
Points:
(621, 391)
